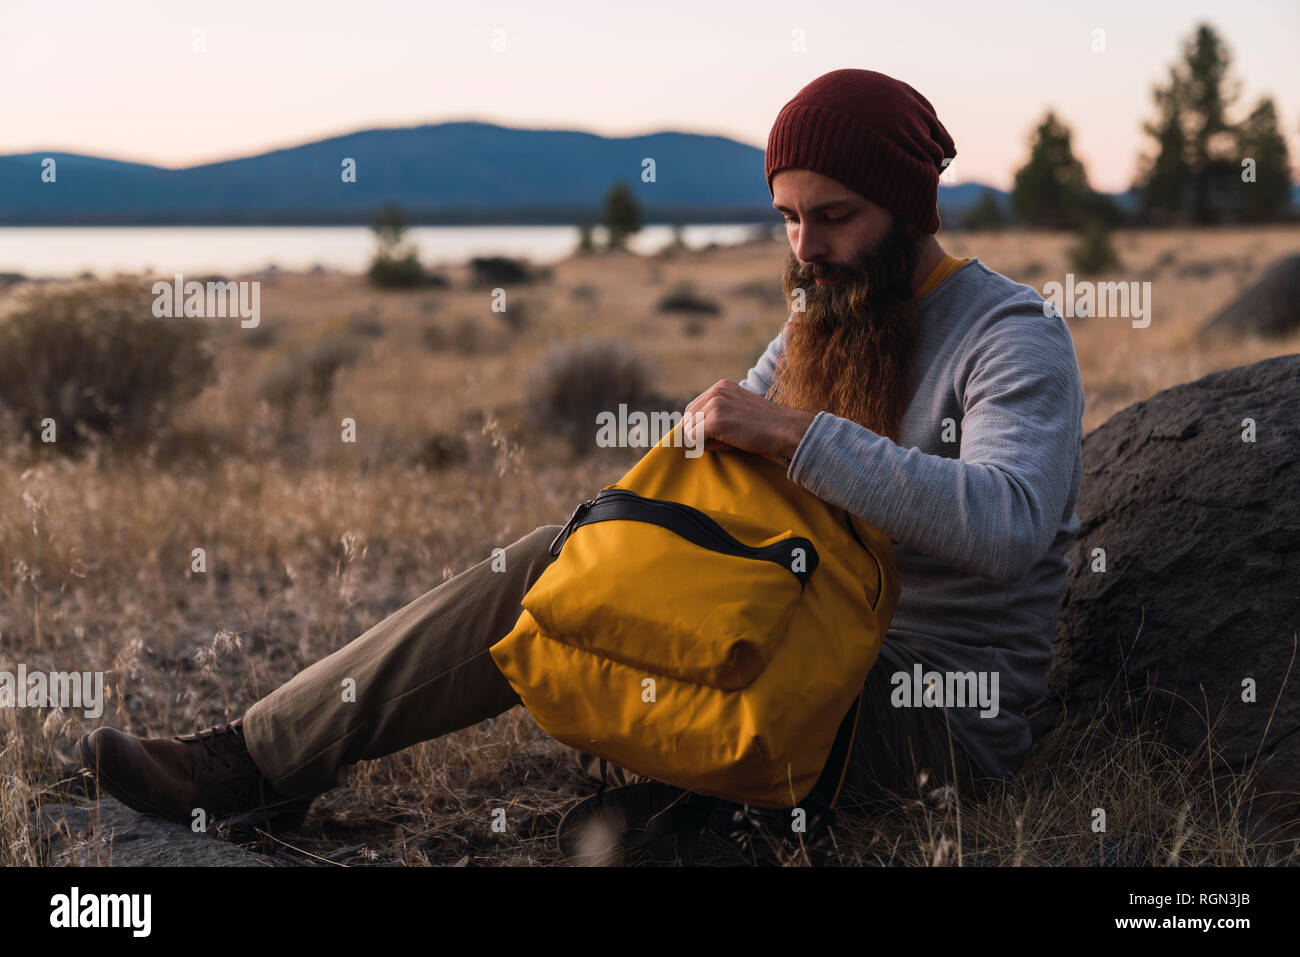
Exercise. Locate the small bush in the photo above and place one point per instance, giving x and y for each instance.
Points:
(305, 372)
(683, 298)
(96, 360)
(1094, 252)
(259, 337)
(394, 272)
(517, 316)
(574, 381)
(441, 450)
(434, 337)
(766, 293)
(498, 271)
(366, 324)
(1198, 268)
(467, 338)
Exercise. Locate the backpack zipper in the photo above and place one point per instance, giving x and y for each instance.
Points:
(557, 542)
(690, 523)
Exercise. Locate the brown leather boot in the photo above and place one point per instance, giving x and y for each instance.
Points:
(173, 777)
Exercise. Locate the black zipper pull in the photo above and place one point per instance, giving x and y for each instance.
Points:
(557, 543)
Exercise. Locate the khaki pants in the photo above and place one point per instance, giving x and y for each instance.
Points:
(425, 671)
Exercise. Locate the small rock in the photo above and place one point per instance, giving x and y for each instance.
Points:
(107, 833)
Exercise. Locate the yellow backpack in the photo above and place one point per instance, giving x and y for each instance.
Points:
(708, 623)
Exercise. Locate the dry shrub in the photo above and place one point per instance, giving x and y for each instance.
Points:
(305, 372)
(574, 381)
(393, 272)
(441, 450)
(95, 359)
(366, 324)
(765, 293)
(489, 271)
(1094, 252)
(464, 338)
(682, 297)
(518, 316)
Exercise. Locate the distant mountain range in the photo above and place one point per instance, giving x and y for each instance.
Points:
(445, 173)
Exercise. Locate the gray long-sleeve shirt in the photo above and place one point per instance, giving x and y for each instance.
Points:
(981, 517)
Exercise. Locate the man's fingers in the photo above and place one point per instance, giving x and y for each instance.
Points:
(699, 400)
(720, 386)
(690, 424)
(697, 426)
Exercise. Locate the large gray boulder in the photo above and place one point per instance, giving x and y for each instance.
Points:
(1200, 596)
(1271, 307)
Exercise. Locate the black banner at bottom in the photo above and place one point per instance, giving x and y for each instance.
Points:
(331, 906)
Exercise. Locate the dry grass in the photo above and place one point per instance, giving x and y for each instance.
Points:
(310, 541)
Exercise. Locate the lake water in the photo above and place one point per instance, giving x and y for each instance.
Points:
(59, 252)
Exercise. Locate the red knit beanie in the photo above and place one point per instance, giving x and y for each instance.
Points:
(874, 134)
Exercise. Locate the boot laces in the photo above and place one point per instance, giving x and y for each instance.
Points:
(220, 742)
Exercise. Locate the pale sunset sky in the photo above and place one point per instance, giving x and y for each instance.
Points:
(122, 79)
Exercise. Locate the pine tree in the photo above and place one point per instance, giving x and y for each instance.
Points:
(1259, 139)
(1165, 180)
(1211, 141)
(394, 263)
(1195, 173)
(622, 215)
(1051, 189)
(388, 226)
(986, 213)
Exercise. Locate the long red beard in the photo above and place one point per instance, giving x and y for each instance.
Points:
(851, 351)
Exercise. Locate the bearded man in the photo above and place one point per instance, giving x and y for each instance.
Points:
(929, 396)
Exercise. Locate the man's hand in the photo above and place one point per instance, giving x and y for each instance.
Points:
(727, 416)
